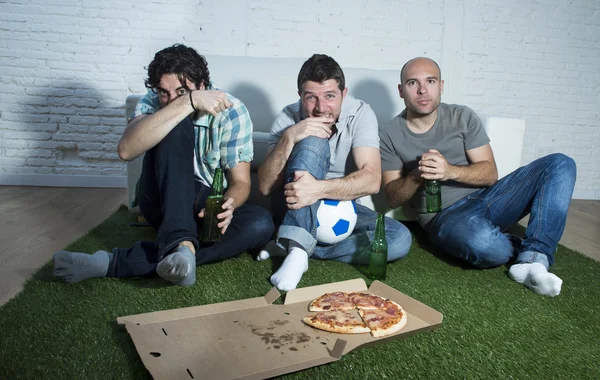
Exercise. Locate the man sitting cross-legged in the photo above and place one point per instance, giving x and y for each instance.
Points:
(432, 140)
(325, 146)
(187, 128)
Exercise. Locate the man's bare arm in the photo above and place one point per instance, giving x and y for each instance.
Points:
(481, 170)
(365, 181)
(306, 190)
(272, 169)
(145, 131)
(399, 189)
(239, 184)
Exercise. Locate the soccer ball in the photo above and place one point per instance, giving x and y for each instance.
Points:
(335, 220)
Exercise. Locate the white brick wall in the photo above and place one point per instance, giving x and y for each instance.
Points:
(540, 61)
(68, 65)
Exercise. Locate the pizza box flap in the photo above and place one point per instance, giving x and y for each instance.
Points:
(417, 309)
(312, 292)
(253, 338)
(253, 343)
(195, 311)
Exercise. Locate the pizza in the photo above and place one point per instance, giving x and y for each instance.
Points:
(332, 301)
(365, 301)
(337, 313)
(338, 321)
(384, 322)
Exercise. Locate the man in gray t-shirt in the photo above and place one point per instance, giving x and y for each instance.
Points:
(456, 131)
(430, 140)
(325, 146)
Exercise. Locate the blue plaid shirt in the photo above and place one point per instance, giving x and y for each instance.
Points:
(222, 141)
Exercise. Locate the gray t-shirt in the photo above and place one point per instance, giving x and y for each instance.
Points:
(357, 126)
(456, 130)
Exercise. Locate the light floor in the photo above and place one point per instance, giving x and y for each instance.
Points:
(38, 221)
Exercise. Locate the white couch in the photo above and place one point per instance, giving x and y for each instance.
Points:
(266, 85)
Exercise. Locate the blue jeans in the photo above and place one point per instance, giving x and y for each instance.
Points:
(170, 200)
(471, 229)
(312, 154)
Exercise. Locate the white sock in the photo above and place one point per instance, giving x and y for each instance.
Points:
(271, 249)
(519, 272)
(289, 274)
(537, 278)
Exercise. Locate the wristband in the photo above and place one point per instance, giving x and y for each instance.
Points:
(192, 102)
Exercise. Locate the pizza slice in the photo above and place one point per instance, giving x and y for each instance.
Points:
(332, 301)
(366, 301)
(337, 321)
(384, 321)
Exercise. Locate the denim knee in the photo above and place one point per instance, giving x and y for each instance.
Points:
(313, 143)
(264, 227)
(399, 239)
(311, 154)
(180, 137)
(474, 240)
(563, 165)
(260, 225)
(488, 248)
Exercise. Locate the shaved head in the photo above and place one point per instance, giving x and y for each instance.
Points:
(418, 60)
(421, 87)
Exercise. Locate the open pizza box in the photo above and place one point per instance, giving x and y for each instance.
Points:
(254, 339)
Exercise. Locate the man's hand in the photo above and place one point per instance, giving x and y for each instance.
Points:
(312, 126)
(434, 166)
(224, 217)
(304, 191)
(211, 101)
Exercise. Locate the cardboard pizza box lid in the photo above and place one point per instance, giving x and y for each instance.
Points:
(254, 339)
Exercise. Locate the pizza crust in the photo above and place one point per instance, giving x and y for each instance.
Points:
(337, 321)
(383, 322)
(332, 301)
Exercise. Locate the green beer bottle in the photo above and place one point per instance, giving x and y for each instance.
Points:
(433, 194)
(379, 251)
(210, 231)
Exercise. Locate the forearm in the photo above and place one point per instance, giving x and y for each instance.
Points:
(482, 173)
(239, 192)
(143, 134)
(271, 171)
(402, 189)
(355, 185)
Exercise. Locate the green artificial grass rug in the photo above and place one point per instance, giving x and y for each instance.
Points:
(493, 327)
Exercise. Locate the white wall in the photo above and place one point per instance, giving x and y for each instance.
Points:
(67, 66)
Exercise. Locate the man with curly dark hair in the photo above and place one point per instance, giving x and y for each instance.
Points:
(186, 128)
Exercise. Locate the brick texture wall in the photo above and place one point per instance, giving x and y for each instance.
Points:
(67, 66)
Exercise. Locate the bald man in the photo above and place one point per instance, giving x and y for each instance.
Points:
(431, 140)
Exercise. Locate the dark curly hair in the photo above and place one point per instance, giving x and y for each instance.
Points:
(319, 68)
(182, 61)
